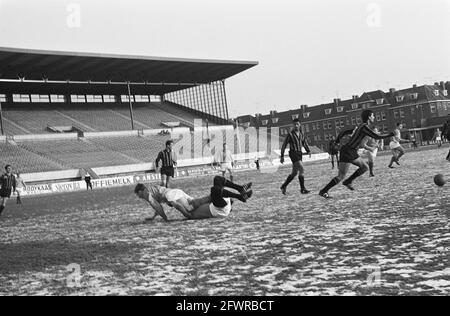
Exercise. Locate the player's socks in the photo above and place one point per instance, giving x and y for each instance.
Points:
(371, 169)
(301, 179)
(392, 162)
(288, 180)
(228, 194)
(283, 190)
(247, 186)
(356, 174)
(232, 185)
(1, 209)
(333, 182)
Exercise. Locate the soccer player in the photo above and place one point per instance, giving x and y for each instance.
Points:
(87, 179)
(169, 161)
(8, 186)
(226, 162)
(397, 150)
(20, 188)
(446, 133)
(371, 147)
(296, 140)
(348, 154)
(438, 137)
(333, 150)
(217, 204)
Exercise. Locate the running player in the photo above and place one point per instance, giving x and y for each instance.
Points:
(169, 161)
(371, 147)
(397, 150)
(20, 188)
(226, 162)
(348, 154)
(8, 186)
(217, 204)
(296, 140)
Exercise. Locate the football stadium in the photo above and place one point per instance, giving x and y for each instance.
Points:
(66, 116)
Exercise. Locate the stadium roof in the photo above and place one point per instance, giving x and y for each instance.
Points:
(168, 74)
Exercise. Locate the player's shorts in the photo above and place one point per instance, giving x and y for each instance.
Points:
(394, 145)
(173, 195)
(438, 139)
(221, 212)
(226, 166)
(348, 154)
(168, 171)
(5, 193)
(20, 191)
(295, 156)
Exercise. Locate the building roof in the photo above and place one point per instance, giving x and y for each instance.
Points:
(173, 73)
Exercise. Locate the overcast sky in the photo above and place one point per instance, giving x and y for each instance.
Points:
(309, 51)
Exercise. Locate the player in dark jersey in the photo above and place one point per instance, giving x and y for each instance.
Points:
(349, 153)
(8, 186)
(446, 134)
(296, 140)
(169, 161)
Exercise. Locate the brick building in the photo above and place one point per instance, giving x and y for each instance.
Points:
(422, 109)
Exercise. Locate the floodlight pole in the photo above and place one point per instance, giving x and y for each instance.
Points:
(131, 105)
(1, 119)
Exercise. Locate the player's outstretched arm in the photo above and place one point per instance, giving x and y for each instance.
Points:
(158, 209)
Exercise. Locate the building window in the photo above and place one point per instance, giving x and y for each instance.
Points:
(378, 117)
(329, 124)
(402, 114)
(327, 111)
(337, 124)
(57, 98)
(340, 109)
(414, 96)
(21, 98)
(307, 128)
(413, 110)
(396, 115)
(325, 125)
(347, 121)
(141, 98)
(354, 106)
(353, 120)
(383, 116)
(399, 98)
(275, 120)
(342, 124)
(155, 98)
(436, 93)
(380, 101)
(109, 99)
(295, 117)
(358, 120)
(2, 97)
(433, 108)
(264, 122)
(38, 98)
(125, 98)
(414, 123)
(94, 99)
(445, 92)
(306, 115)
(78, 98)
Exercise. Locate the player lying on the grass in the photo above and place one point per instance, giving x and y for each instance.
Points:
(349, 153)
(217, 204)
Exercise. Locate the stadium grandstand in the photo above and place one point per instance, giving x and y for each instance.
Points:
(67, 110)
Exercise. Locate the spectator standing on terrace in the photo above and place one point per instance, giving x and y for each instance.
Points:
(20, 187)
(168, 159)
(8, 186)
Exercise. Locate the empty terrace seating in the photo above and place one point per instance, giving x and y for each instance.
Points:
(77, 153)
(144, 149)
(25, 161)
(35, 121)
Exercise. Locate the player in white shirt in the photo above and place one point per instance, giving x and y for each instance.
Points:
(217, 204)
(20, 188)
(397, 150)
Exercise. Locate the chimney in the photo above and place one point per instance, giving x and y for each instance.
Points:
(436, 84)
(336, 102)
(442, 85)
(354, 97)
(414, 86)
(392, 91)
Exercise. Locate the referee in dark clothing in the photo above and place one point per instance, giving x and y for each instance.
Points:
(296, 140)
(8, 186)
(169, 161)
